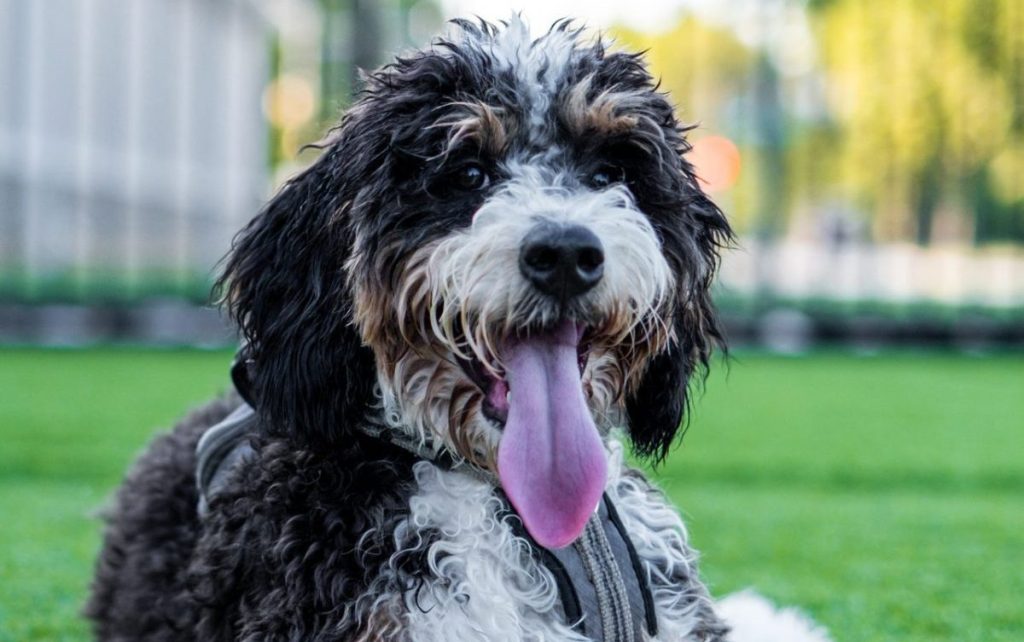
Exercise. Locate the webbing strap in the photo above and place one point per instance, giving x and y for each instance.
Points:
(220, 449)
(603, 571)
(601, 583)
(605, 593)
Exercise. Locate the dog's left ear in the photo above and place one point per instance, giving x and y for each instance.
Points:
(692, 240)
(284, 284)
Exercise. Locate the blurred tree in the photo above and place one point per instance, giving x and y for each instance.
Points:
(701, 66)
(709, 75)
(346, 38)
(928, 98)
(358, 35)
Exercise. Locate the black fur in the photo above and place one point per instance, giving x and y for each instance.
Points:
(656, 409)
(137, 591)
(285, 287)
(280, 556)
(282, 553)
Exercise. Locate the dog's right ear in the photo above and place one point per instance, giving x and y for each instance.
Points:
(284, 284)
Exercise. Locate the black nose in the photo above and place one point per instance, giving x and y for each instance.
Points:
(563, 261)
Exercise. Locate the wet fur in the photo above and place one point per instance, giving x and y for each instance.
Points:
(351, 305)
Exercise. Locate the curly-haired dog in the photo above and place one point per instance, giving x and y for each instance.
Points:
(497, 269)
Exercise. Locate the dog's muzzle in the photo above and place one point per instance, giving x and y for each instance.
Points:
(562, 261)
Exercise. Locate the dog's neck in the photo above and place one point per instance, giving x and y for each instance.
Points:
(422, 447)
(599, 577)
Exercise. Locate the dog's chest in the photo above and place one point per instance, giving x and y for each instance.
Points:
(483, 581)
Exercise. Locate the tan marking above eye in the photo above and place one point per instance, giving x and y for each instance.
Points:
(607, 113)
(489, 127)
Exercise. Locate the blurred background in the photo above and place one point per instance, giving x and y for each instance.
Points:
(862, 456)
(870, 154)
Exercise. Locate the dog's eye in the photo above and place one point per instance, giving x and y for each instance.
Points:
(607, 175)
(471, 177)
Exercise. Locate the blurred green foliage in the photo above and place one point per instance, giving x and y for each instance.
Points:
(929, 101)
(907, 115)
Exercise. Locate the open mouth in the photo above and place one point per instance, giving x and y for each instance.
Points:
(551, 459)
(495, 387)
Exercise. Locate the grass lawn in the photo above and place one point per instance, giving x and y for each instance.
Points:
(884, 495)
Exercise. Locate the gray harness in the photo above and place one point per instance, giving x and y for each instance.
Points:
(222, 447)
(602, 584)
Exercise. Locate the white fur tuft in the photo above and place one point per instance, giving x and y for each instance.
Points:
(754, 619)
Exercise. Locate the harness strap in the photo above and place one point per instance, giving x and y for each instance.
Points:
(222, 447)
(604, 595)
(639, 573)
(601, 583)
(612, 601)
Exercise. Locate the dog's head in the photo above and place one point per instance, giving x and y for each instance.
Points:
(501, 251)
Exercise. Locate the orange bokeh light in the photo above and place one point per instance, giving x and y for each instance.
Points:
(716, 160)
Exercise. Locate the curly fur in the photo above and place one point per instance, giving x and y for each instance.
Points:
(146, 552)
(359, 290)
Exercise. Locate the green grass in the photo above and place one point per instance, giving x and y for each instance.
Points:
(70, 422)
(884, 495)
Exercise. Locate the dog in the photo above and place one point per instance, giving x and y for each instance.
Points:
(495, 275)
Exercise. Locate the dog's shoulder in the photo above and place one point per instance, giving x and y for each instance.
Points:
(295, 537)
(366, 542)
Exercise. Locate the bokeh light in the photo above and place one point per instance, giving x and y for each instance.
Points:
(717, 162)
(289, 101)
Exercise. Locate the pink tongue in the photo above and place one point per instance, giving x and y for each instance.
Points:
(551, 460)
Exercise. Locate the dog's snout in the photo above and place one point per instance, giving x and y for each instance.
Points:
(562, 261)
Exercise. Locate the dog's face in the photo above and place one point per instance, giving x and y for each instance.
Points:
(503, 252)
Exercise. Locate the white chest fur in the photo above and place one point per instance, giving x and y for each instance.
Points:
(485, 585)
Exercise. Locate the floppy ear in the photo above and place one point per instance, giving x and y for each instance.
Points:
(656, 409)
(284, 284)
